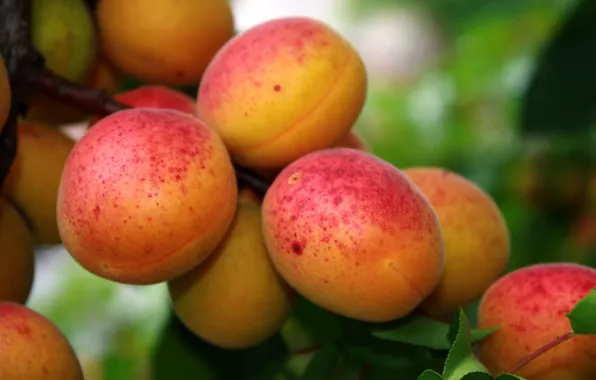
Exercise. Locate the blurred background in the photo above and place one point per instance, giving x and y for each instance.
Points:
(498, 91)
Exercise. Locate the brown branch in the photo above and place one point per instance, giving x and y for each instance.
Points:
(101, 103)
(552, 344)
(98, 102)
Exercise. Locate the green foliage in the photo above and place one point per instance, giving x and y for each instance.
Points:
(583, 316)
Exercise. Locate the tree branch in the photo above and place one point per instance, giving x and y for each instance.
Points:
(552, 344)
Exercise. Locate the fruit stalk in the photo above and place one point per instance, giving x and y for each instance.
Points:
(23, 63)
(552, 344)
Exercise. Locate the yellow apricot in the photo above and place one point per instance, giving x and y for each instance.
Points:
(161, 41)
(17, 261)
(34, 177)
(282, 89)
(235, 299)
(475, 233)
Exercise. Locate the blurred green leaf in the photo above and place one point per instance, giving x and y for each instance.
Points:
(181, 355)
(561, 96)
(323, 364)
(325, 325)
(424, 331)
(583, 315)
(461, 360)
(429, 375)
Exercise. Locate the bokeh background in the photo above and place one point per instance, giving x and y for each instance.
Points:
(491, 89)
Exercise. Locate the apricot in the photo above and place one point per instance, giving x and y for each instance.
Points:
(34, 177)
(246, 194)
(352, 234)
(353, 140)
(160, 42)
(33, 347)
(155, 96)
(5, 94)
(158, 97)
(17, 263)
(282, 89)
(530, 304)
(477, 242)
(235, 299)
(146, 195)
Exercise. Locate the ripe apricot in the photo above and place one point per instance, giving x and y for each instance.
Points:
(235, 299)
(17, 263)
(33, 347)
(162, 42)
(34, 177)
(282, 89)
(5, 94)
(146, 195)
(529, 304)
(475, 232)
(352, 234)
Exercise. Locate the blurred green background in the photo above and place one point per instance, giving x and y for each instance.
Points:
(502, 92)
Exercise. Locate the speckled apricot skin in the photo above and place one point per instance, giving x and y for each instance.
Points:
(530, 304)
(353, 235)
(33, 347)
(235, 299)
(160, 43)
(282, 89)
(34, 177)
(146, 195)
(156, 96)
(353, 140)
(477, 242)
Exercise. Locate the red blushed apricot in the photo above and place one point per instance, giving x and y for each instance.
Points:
(282, 89)
(352, 234)
(146, 195)
(530, 304)
(475, 232)
(155, 96)
(33, 347)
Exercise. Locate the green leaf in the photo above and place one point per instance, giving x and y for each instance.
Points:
(583, 315)
(509, 376)
(560, 96)
(379, 359)
(477, 376)
(461, 361)
(426, 332)
(429, 375)
(323, 364)
(325, 325)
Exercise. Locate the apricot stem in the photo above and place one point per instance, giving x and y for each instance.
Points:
(553, 343)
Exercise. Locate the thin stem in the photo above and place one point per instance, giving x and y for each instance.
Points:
(553, 343)
(91, 100)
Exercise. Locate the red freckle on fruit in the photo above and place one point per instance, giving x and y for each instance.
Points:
(96, 211)
(297, 248)
(277, 88)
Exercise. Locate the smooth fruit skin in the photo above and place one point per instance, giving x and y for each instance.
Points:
(158, 97)
(5, 94)
(353, 140)
(282, 89)
(161, 42)
(235, 299)
(155, 96)
(530, 304)
(146, 195)
(477, 242)
(353, 235)
(33, 347)
(17, 263)
(34, 177)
